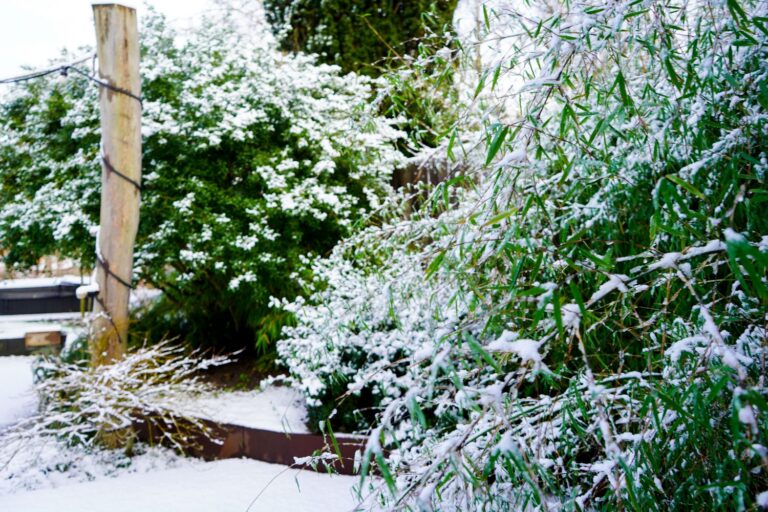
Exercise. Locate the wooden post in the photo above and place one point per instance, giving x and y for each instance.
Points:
(117, 45)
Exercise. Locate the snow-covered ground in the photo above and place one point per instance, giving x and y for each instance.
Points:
(46, 475)
(275, 408)
(71, 327)
(33, 282)
(234, 485)
(17, 399)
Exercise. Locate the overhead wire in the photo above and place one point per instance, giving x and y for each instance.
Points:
(64, 70)
(44, 72)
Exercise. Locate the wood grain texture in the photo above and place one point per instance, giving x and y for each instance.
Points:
(117, 43)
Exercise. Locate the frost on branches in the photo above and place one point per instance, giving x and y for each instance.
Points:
(252, 158)
(584, 326)
(78, 404)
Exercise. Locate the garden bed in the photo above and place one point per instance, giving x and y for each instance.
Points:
(229, 441)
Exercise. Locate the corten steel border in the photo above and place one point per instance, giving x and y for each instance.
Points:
(228, 441)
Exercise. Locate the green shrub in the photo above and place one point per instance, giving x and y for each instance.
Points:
(253, 161)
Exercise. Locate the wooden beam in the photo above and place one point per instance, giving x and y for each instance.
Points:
(117, 45)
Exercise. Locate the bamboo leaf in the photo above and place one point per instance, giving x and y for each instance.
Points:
(677, 180)
(498, 139)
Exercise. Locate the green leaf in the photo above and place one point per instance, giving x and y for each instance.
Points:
(635, 13)
(498, 218)
(434, 265)
(451, 143)
(680, 182)
(673, 76)
(558, 313)
(496, 74)
(597, 130)
(736, 11)
(334, 442)
(386, 473)
(498, 139)
(417, 413)
(482, 353)
(621, 83)
(480, 84)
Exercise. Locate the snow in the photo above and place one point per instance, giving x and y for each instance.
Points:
(684, 345)
(18, 326)
(514, 157)
(507, 444)
(47, 475)
(17, 398)
(69, 316)
(548, 80)
(732, 236)
(615, 281)
(229, 485)
(709, 247)
(669, 260)
(629, 437)
(44, 462)
(87, 289)
(280, 409)
(34, 282)
(527, 350)
(762, 499)
(571, 316)
(747, 416)
(12, 330)
(603, 466)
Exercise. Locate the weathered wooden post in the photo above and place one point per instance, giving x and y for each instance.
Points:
(117, 45)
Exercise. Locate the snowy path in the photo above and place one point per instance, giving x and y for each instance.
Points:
(163, 481)
(221, 486)
(280, 409)
(17, 399)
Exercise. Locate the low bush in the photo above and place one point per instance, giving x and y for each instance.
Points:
(82, 405)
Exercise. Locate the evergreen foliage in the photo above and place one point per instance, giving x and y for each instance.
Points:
(358, 36)
(580, 322)
(252, 161)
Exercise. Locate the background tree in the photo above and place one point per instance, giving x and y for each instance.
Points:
(253, 161)
(358, 36)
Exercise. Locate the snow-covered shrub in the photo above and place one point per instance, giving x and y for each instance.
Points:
(252, 161)
(363, 317)
(585, 328)
(79, 403)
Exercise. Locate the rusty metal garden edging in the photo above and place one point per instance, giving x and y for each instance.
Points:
(235, 441)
